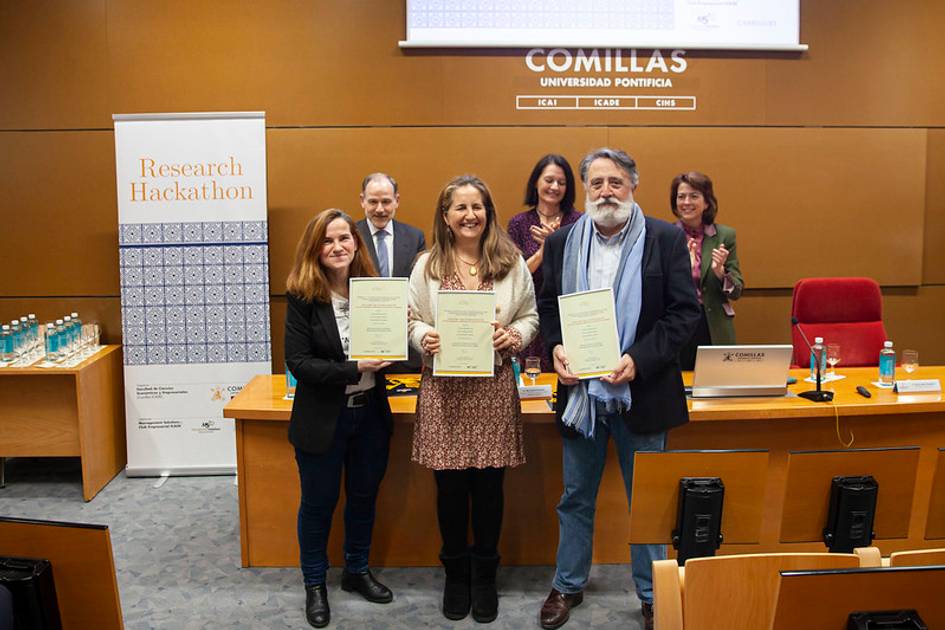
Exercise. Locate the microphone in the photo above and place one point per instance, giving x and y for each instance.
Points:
(815, 395)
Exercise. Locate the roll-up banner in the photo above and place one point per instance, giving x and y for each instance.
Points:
(194, 267)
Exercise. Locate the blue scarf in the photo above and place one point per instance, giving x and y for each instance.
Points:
(581, 410)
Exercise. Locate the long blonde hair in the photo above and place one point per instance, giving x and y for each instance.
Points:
(307, 278)
(499, 253)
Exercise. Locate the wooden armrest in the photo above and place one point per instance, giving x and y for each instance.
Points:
(667, 595)
(869, 556)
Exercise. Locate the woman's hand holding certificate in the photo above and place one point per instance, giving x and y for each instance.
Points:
(464, 323)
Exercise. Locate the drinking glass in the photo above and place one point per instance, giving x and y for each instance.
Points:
(532, 368)
(86, 338)
(833, 357)
(910, 361)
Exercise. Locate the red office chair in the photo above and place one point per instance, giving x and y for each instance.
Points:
(848, 311)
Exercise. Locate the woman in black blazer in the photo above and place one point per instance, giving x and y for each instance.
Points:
(340, 416)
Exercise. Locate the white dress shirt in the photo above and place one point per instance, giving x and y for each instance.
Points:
(604, 258)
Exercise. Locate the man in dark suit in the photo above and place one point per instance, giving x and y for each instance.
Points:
(646, 263)
(393, 245)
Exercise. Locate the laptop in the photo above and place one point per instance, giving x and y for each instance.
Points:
(723, 371)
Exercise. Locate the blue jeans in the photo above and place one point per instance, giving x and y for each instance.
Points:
(360, 447)
(583, 463)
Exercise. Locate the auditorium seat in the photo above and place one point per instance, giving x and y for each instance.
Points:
(737, 591)
(848, 311)
(871, 556)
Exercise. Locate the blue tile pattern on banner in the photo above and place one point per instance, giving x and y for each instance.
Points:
(194, 292)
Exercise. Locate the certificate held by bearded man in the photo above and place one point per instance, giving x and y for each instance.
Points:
(589, 332)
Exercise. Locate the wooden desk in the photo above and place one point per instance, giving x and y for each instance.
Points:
(406, 532)
(67, 412)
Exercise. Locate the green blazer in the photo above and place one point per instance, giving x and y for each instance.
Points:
(719, 312)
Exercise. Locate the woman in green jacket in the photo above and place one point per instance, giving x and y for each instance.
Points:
(715, 271)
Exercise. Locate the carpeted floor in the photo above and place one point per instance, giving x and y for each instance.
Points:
(177, 554)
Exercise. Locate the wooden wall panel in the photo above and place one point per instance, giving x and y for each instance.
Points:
(799, 198)
(792, 214)
(869, 63)
(326, 62)
(915, 318)
(337, 63)
(933, 262)
(55, 63)
(310, 62)
(314, 169)
(60, 216)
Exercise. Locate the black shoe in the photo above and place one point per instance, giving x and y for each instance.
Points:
(456, 597)
(485, 598)
(365, 584)
(316, 605)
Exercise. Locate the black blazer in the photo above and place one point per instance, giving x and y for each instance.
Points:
(408, 242)
(314, 354)
(668, 316)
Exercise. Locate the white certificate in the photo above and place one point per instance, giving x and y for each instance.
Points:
(378, 318)
(464, 322)
(589, 332)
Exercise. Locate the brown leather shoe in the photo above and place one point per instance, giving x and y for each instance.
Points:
(556, 610)
(647, 610)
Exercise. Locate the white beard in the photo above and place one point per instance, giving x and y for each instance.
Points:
(606, 215)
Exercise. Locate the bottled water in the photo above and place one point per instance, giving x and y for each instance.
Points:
(819, 352)
(887, 364)
(62, 348)
(52, 343)
(6, 343)
(34, 327)
(70, 334)
(17, 338)
(26, 345)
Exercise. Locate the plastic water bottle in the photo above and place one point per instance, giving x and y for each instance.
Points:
(6, 343)
(52, 343)
(70, 334)
(62, 348)
(34, 327)
(887, 364)
(290, 382)
(820, 352)
(26, 336)
(17, 338)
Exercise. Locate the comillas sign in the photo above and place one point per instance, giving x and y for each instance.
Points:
(606, 68)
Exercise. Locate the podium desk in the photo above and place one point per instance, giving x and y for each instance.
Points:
(406, 532)
(68, 412)
(786, 424)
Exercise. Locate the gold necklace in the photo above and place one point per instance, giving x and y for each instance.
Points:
(542, 216)
(473, 267)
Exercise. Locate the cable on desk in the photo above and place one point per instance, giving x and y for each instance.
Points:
(836, 414)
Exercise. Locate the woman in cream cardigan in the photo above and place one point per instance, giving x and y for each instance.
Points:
(469, 430)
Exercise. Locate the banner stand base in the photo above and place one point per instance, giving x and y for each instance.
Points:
(182, 471)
